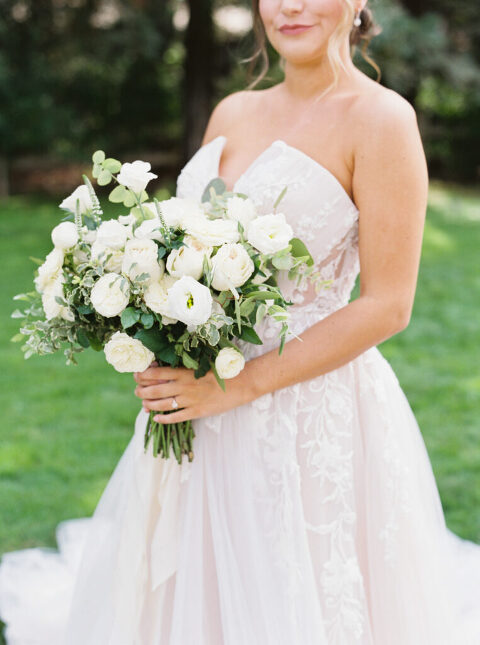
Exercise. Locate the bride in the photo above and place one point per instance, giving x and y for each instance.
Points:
(310, 514)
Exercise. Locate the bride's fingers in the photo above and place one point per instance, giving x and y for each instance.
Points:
(162, 405)
(155, 374)
(157, 391)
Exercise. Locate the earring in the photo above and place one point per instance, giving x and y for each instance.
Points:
(358, 21)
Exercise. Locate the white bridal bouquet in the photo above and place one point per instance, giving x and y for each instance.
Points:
(174, 281)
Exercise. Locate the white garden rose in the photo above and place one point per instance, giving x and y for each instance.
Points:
(149, 229)
(49, 270)
(85, 202)
(232, 266)
(229, 362)
(51, 306)
(112, 234)
(242, 210)
(190, 301)
(177, 209)
(270, 233)
(136, 175)
(112, 259)
(155, 295)
(64, 235)
(212, 232)
(188, 259)
(127, 354)
(110, 295)
(141, 256)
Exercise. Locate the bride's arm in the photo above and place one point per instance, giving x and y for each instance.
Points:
(390, 186)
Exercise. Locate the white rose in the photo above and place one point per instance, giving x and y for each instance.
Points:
(242, 210)
(270, 233)
(88, 235)
(212, 232)
(229, 362)
(155, 295)
(81, 193)
(127, 354)
(49, 270)
(149, 229)
(112, 234)
(232, 266)
(64, 235)
(176, 210)
(190, 301)
(136, 175)
(109, 296)
(112, 259)
(141, 256)
(188, 259)
(51, 307)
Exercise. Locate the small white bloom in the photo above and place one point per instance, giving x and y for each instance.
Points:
(49, 270)
(212, 232)
(155, 295)
(85, 203)
(190, 301)
(242, 210)
(136, 175)
(232, 266)
(51, 307)
(229, 362)
(141, 256)
(88, 235)
(112, 259)
(187, 260)
(149, 229)
(109, 296)
(127, 354)
(64, 235)
(112, 234)
(270, 233)
(127, 220)
(177, 209)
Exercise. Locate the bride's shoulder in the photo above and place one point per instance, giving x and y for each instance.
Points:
(230, 111)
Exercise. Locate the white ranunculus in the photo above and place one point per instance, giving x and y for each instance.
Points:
(270, 233)
(212, 232)
(229, 362)
(187, 260)
(109, 296)
(51, 307)
(177, 209)
(127, 354)
(112, 234)
(242, 210)
(112, 259)
(141, 256)
(149, 229)
(49, 270)
(136, 175)
(232, 266)
(64, 235)
(155, 295)
(85, 203)
(190, 301)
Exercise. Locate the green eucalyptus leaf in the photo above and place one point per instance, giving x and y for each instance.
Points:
(300, 250)
(118, 194)
(129, 317)
(129, 200)
(189, 362)
(112, 165)
(98, 157)
(217, 184)
(147, 320)
(104, 178)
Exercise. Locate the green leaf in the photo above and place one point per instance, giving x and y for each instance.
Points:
(118, 194)
(161, 252)
(82, 338)
(37, 260)
(147, 320)
(129, 200)
(98, 156)
(247, 307)
(17, 338)
(189, 362)
(238, 315)
(264, 295)
(217, 184)
(280, 197)
(143, 197)
(129, 317)
(97, 169)
(220, 381)
(156, 342)
(84, 309)
(112, 165)
(299, 250)
(94, 342)
(284, 262)
(249, 335)
(104, 178)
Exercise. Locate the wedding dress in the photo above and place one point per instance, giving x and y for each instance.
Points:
(309, 516)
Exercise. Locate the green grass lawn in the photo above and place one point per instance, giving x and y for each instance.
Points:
(64, 428)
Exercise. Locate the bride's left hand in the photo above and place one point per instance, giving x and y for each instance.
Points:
(157, 387)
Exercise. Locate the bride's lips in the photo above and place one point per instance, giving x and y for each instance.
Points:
(291, 30)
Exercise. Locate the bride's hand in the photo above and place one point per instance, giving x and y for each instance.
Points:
(158, 386)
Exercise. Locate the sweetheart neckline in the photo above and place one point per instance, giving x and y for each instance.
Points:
(303, 154)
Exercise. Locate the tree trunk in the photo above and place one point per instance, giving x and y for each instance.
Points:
(198, 82)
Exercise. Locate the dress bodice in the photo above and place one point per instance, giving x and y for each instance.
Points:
(317, 207)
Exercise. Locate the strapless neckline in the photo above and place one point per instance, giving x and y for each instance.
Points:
(277, 142)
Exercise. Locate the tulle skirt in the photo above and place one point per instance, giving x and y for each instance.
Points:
(310, 516)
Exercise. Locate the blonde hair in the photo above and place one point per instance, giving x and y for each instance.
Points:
(358, 36)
